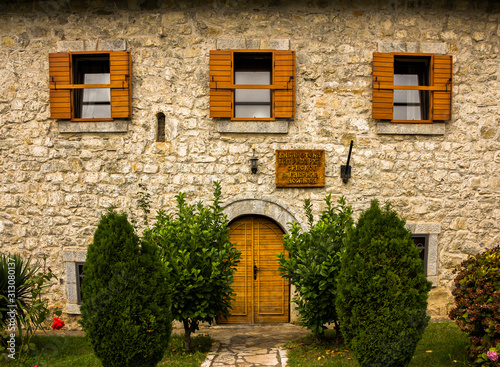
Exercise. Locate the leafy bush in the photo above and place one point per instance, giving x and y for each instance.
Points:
(22, 307)
(199, 259)
(314, 264)
(382, 295)
(477, 301)
(126, 305)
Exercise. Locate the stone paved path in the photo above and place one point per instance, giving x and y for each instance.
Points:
(250, 345)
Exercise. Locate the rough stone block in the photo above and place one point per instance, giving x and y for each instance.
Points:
(112, 45)
(231, 44)
(432, 255)
(71, 295)
(279, 44)
(90, 45)
(73, 309)
(67, 46)
(391, 47)
(74, 255)
(411, 47)
(433, 48)
(253, 44)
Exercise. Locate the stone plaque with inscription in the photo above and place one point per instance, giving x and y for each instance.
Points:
(300, 168)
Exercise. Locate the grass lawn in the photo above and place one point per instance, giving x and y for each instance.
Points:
(442, 345)
(76, 352)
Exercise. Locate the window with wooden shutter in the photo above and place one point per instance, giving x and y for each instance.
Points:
(252, 84)
(412, 87)
(90, 86)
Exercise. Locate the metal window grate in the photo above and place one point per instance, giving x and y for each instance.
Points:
(79, 280)
(422, 243)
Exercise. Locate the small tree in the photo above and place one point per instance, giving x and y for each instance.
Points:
(126, 305)
(382, 296)
(313, 264)
(200, 261)
(477, 300)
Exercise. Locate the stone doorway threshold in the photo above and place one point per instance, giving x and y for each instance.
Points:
(248, 345)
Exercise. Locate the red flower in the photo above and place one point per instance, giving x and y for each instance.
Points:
(58, 324)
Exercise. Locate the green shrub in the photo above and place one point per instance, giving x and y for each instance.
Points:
(477, 304)
(382, 295)
(126, 306)
(23, 309)
(314, 264)
(199, 259)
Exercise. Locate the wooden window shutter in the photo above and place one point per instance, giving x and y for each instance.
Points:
(284, 80)
(221, 94)
(442, 78)
(383, 78)
(60, 75)
(120, 66)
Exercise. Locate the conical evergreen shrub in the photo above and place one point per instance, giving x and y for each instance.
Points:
(382, 295)
(126, 305)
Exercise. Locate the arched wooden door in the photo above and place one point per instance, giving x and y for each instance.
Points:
(262, 295)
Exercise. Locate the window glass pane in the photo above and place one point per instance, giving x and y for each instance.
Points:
(252, 95)
(252, 77)
(102, 78)
(96, 101)
(411, 105)
(97, 95)
(94, 111)
(403, 79)
(254, 111)
(407, 113)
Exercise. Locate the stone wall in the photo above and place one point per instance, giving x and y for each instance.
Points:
(56, 177)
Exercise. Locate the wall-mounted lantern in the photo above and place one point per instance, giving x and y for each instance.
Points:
(345, 171)
(253, 161)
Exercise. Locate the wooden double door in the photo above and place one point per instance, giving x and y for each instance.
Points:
(262, 295)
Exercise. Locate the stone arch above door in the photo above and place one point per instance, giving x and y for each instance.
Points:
(264, 205)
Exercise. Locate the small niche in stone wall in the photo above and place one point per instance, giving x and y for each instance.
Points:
(160, 133)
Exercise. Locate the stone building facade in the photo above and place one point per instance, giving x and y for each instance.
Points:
(57, 176)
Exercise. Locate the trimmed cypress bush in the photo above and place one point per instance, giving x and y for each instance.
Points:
(382, 295)
(126, 306)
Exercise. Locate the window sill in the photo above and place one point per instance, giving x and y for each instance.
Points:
(395, 128)
(93, 127)
(73, 309)
(252, 127)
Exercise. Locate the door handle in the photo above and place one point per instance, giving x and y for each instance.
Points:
(255, 270)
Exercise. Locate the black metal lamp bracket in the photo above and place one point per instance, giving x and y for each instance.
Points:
(345, 171)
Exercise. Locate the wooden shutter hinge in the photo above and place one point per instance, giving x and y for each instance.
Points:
(126, 79)
(214, 81)
(289, 80)
(376, 81)
(55, 84)
(448, 83)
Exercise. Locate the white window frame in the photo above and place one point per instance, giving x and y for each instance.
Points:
(70, 258)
